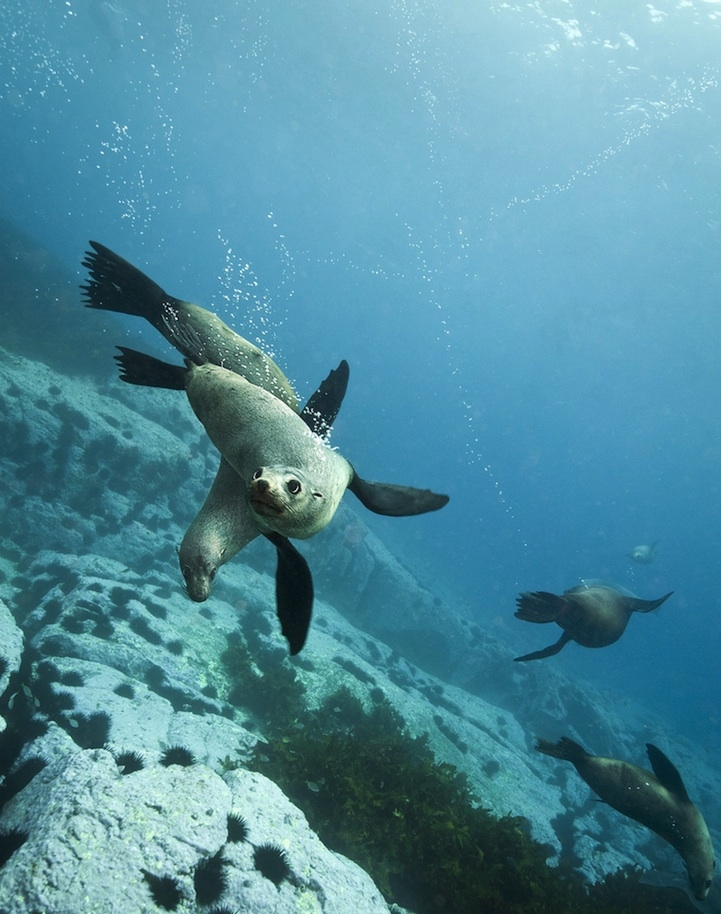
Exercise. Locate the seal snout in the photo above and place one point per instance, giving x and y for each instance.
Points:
(260, 483)
(263, 495)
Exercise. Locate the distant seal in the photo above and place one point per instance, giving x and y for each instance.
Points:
(644, 555)
(593, 614)
(659, 801)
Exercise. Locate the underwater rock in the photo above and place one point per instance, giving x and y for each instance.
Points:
(105, 831)
(273, 819)
(11, 649)
(94, 486)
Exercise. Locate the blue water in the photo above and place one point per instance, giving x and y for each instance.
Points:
(506, 217)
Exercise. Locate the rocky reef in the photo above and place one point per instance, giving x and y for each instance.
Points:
(140, 731)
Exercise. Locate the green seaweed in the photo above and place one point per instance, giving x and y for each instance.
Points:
(410, 821)
(272, 693)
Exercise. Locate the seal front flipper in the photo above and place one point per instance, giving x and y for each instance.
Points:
(293, 592)
(320, 412)
(667, 772)
(395, 501)
(646, 606)
(547, 651)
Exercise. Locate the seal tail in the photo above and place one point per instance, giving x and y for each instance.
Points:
(116, 285)
(540, 606)
(139, 368)
(566, 749)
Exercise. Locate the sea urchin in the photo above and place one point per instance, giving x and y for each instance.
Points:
(272, 861)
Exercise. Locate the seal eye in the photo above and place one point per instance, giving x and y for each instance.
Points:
(258, 473)
(294, 486)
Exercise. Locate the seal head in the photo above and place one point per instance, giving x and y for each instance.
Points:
(288, 501)
(222, 527)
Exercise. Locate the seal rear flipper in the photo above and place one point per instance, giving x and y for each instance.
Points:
(567, 749)
(116, 285)
(147, 371)
(547, 651)
(540, 606)
(320, 412)
(293, 592)
(395, 501)
(666, 772)
(647, 606)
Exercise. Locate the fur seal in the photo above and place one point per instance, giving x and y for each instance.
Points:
(659, 801)
(643, 554)
(592, 614)
(224, 525)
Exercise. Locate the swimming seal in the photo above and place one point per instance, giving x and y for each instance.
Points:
(293, 498)
(659, 801)
(644, 554)
(593, 614)
(224, 525)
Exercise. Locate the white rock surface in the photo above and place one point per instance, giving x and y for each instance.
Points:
(93, 832)
(11, 650)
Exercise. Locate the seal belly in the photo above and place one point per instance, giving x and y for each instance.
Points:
(595, 618)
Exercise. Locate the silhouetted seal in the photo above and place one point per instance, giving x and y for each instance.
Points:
(644, 554)
(659, 801)
(592, 614)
